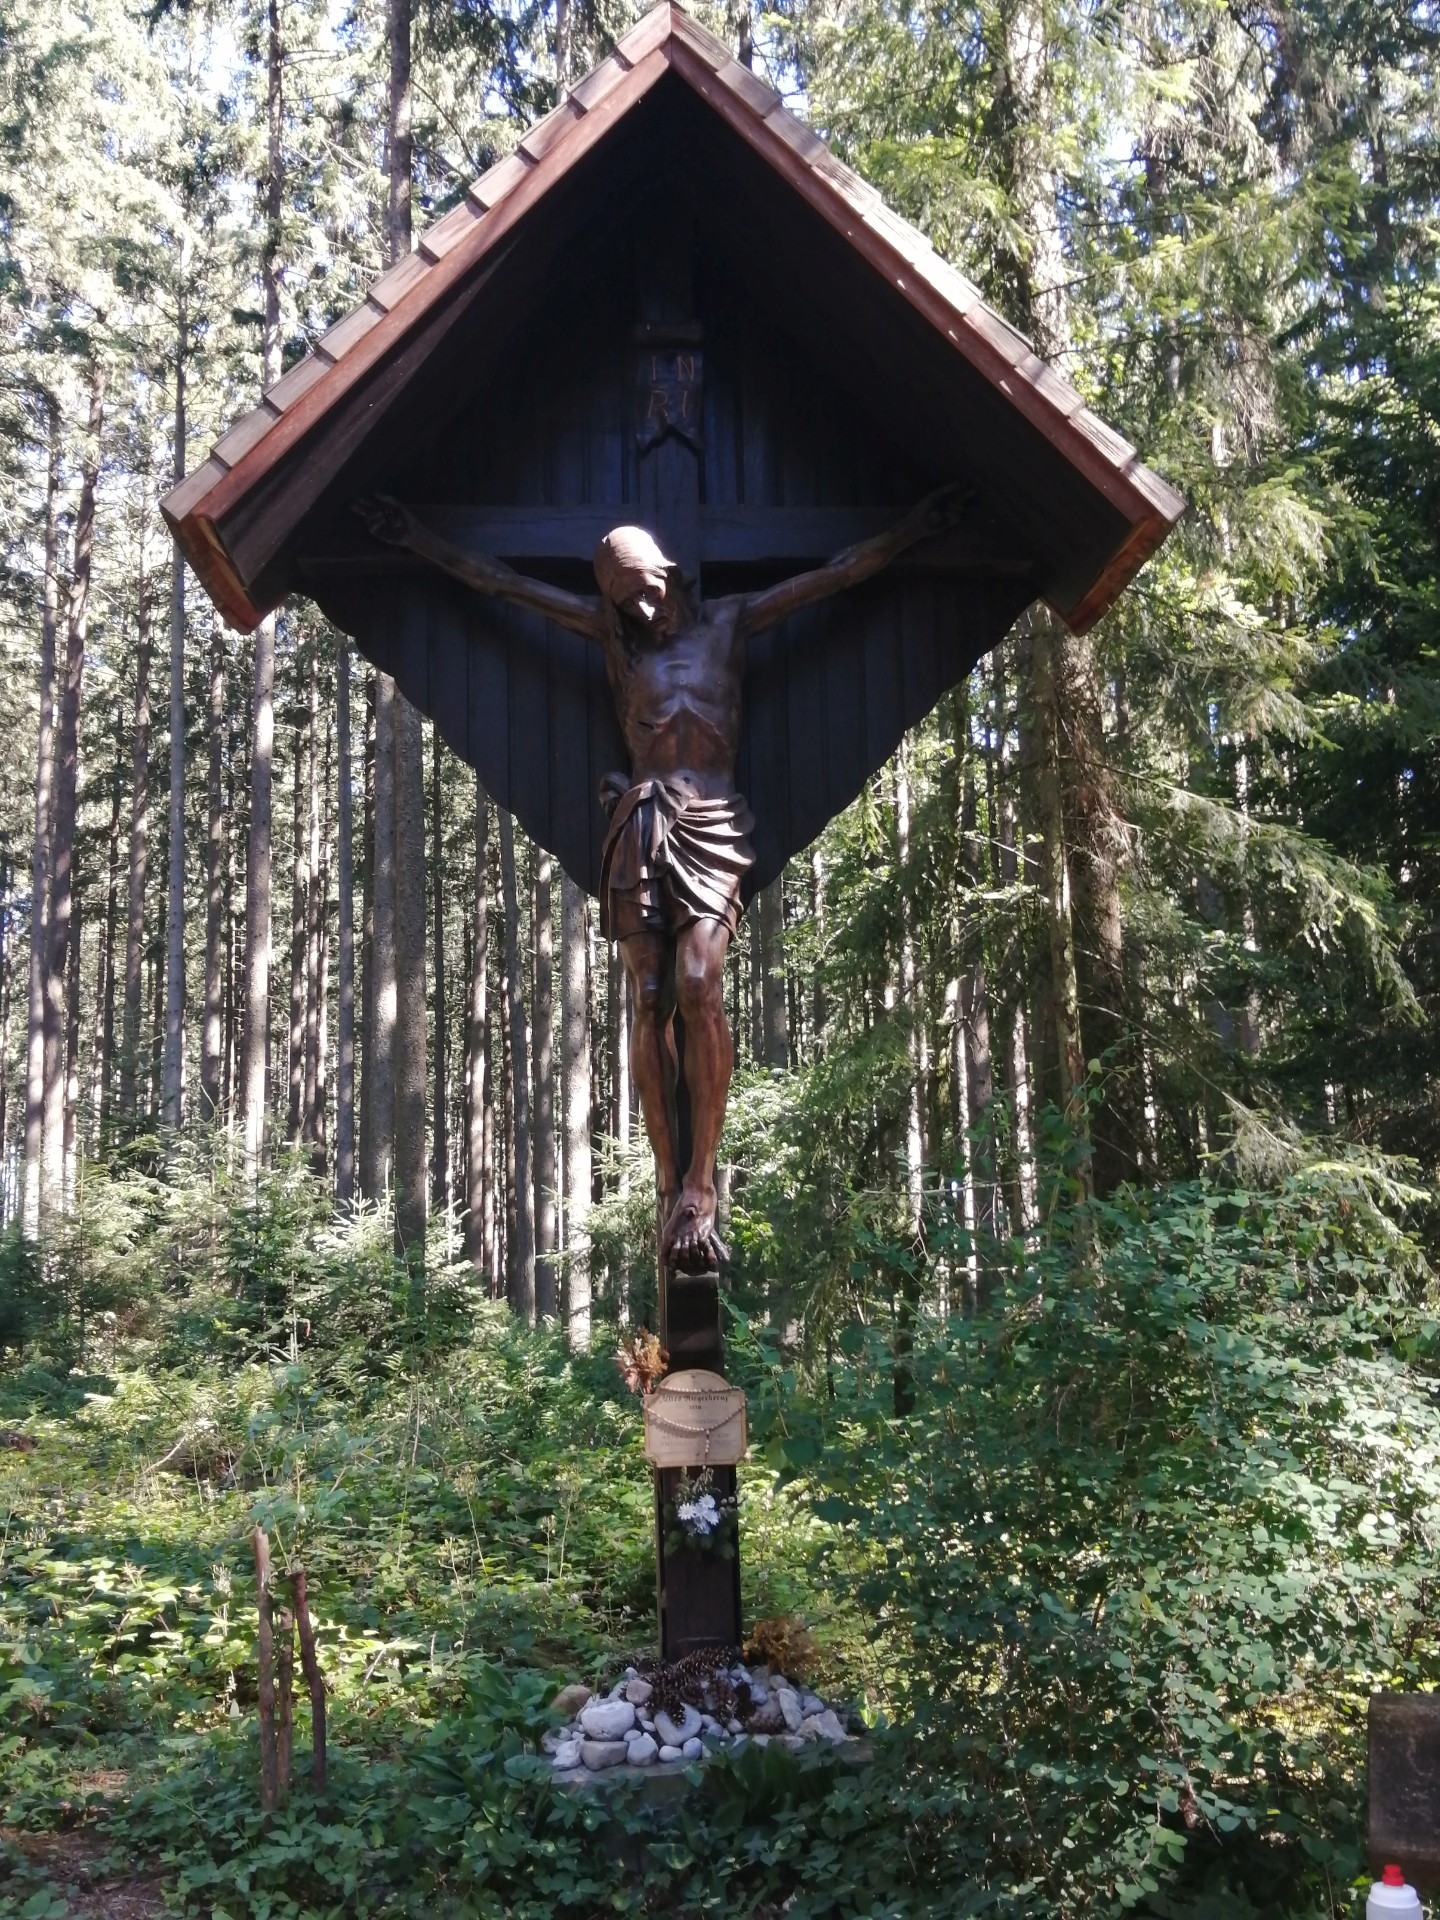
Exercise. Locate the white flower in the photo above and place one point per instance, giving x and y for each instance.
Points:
(699, 1516)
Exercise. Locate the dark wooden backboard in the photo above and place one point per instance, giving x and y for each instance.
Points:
(534, 444)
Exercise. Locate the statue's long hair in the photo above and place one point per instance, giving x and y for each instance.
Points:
(629, 636)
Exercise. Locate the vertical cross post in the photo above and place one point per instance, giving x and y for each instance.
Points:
(697, 1594)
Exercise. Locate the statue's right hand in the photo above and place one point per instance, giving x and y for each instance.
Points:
(385, 518)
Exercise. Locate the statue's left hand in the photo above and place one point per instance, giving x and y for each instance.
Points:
(385, 517)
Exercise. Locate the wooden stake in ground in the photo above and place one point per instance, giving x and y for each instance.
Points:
(269, 1774)
(284, 1700)
(314, 1680)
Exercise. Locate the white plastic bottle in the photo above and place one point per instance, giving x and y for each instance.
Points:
(1392, 1898)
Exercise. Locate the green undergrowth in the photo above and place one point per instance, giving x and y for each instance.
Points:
(1113, 1591)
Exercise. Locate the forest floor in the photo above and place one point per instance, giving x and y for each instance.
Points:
(1123, 1571)
(476, 1529)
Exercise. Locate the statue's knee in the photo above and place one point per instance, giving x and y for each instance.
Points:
(649, 993)
(697, 985)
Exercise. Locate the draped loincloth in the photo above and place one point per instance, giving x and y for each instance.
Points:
(671, 858)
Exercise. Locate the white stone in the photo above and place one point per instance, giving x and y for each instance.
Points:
(607, 1719)
(552, 1738)
(567, 1755)
(792, 1741)
(762, 1739)
(789, 1705)
(637, 1691)
(733, 1726)
(670, 1755)
(692, 1749)
(647, 1723)
(709, 1724)
(812, 1702)
(641, 1751)
(675, 1734)
(827, 1725)
(630, 1672)
(599, 1754)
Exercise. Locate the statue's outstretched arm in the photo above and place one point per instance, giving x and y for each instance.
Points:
(393, 523)
(936, 513)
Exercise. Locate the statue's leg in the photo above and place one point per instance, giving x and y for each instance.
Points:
(690, 1239)
(650, 963)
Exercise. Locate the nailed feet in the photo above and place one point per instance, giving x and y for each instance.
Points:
(690, 1242)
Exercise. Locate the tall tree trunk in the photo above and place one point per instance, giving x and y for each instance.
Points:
(133, 1013)
(547, 1238)
(575, 1070)
(299, 923)
(320, 1104)
(1055, 884)
(7, 969)
(40, 857)
(72, 1050)
(1019, 1176)
(234, 935)
(212, 1031)
(371, 1184)
(978, 1117)
(1100, 846)
(256, 1035)
(522, 1242)
(562, 49)
(909, 1004)
(379, 1087)
(411, 1164)
(67, 779)
(491, 1232)
(101, 1078)
(345, 856)
(620, 1052)
(310, 1127)
(770, 923)
(407, 782)
(819, 1011)
(477, 1053)
(173, 1075)
(440, 1148)
(155, 1048)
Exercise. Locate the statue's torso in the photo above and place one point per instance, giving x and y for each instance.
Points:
(678, 699)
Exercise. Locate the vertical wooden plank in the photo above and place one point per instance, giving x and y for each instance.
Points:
(883, 710)
(487, 633)
(529, 724)
(449, 674)
(844, 704)
(806, 645)
(760, 428)
(572, 789)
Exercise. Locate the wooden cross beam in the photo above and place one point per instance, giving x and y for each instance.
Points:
(752, 537)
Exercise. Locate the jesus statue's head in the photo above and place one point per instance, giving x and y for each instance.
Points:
(638, 580)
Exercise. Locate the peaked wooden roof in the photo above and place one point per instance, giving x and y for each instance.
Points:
(458, 247)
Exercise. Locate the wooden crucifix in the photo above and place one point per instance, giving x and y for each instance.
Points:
(672, 340)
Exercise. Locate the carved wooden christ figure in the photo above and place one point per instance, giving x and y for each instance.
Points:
(677, 849)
